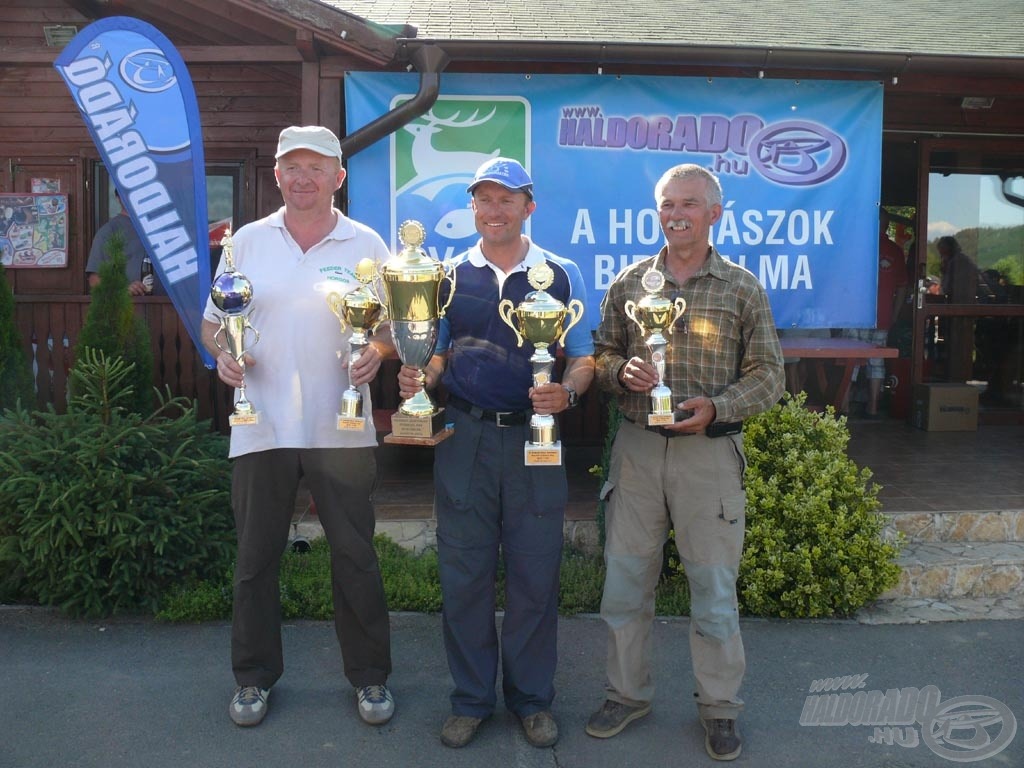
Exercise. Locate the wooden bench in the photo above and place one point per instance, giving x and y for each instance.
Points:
(847, 354)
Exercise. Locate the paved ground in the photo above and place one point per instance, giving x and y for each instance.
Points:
(136, 693)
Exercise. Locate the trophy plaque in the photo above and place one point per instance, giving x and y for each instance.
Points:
(231, 293)
(361, 310)
(656, 314)
(539, 319)
(412, 285)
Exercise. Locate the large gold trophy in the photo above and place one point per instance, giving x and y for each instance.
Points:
(231, 293)
(539, 319)
(656, 314)
(412, 286)
(363, 311)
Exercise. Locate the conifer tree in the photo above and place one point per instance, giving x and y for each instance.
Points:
(15, 371)
(112, 327)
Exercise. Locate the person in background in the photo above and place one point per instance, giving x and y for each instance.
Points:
(724, 364)
(892, 291)
(141, 281)
(485, 496)
(294, 258)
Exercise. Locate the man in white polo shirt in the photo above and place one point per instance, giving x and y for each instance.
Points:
(295, 377)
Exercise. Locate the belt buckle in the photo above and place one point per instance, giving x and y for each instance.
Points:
(498, 415)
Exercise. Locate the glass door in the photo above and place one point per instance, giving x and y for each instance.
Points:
(969, 318)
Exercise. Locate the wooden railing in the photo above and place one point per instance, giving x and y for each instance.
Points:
(50, 325)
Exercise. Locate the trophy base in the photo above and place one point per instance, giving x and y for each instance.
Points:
(660, 419)
(351, 423)
(418, 430)
(542, 455)
(243, 419)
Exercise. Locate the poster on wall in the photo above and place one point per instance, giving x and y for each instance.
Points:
(33, 230)
(799, 163)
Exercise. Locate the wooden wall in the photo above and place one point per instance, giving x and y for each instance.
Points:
(243, 107)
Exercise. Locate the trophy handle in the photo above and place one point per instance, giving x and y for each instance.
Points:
(336, 303)
(256, 334)
(505, 309)
(680, 307)
(630, 309)
(449, 273)
(575, 312)
(216, 339)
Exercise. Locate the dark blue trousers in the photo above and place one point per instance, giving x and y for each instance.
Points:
(486, 500)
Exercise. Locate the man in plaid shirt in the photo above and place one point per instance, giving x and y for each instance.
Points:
(723, 364)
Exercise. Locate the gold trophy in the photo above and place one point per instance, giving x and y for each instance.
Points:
(657, 314)
(539, 319)
(231, 293)
(363, 311)
(412, 286)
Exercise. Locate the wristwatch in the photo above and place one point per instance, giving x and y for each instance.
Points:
(574, 399)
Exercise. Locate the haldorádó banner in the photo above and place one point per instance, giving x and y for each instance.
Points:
(139, 105)
(799, 163)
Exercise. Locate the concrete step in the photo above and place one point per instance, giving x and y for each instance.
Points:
(918, 610)
(944, 570)
(962, 526)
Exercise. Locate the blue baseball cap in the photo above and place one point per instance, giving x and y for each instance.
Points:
(504, 171)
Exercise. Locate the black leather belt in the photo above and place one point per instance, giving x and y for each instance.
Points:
(498, 418)
(717, 429)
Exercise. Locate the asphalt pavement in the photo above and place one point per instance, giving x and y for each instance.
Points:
(134, 693)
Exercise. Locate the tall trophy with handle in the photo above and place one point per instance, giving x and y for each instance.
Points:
(412, 285)
(655, 314)
(540, 319)
(363, 311)
(231, 293)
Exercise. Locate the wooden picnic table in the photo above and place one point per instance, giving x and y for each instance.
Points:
(847, 354)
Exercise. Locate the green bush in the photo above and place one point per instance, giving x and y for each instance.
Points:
(112, 327)
(814, 544)
(15, 372)
(101, 508)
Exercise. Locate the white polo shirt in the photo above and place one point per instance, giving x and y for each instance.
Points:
(301, 358)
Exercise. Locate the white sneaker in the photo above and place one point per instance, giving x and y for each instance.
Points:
(376, 704)
(249, 705)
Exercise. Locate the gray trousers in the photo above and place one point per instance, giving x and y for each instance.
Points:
(694, 484)
(263, 489)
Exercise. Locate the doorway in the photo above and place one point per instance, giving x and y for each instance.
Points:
(969, 303)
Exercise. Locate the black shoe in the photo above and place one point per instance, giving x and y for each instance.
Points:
(721, 739)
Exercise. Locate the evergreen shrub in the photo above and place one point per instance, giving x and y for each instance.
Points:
(15, 372)
(112, 327)
(814, 544)
(102, 508)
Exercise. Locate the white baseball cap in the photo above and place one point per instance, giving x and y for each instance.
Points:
(312, 137)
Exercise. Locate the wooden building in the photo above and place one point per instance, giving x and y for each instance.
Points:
(953, 105)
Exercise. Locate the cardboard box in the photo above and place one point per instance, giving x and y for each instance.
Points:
(945, 407)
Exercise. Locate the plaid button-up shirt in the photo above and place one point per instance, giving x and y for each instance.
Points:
(724, 346)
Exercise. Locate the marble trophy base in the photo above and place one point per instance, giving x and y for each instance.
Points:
(543, 455)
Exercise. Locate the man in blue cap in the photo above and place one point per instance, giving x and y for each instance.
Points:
(485, 496)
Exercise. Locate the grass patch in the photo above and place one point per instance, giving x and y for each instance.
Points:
(411, 583)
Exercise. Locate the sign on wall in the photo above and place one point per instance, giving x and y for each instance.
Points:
(799, 163)
(33, 230)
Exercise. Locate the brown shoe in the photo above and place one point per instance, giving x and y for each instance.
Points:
(459, 730)
(721, 739)
(541, 729)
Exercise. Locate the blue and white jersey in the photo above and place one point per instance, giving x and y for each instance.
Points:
(485, 365)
